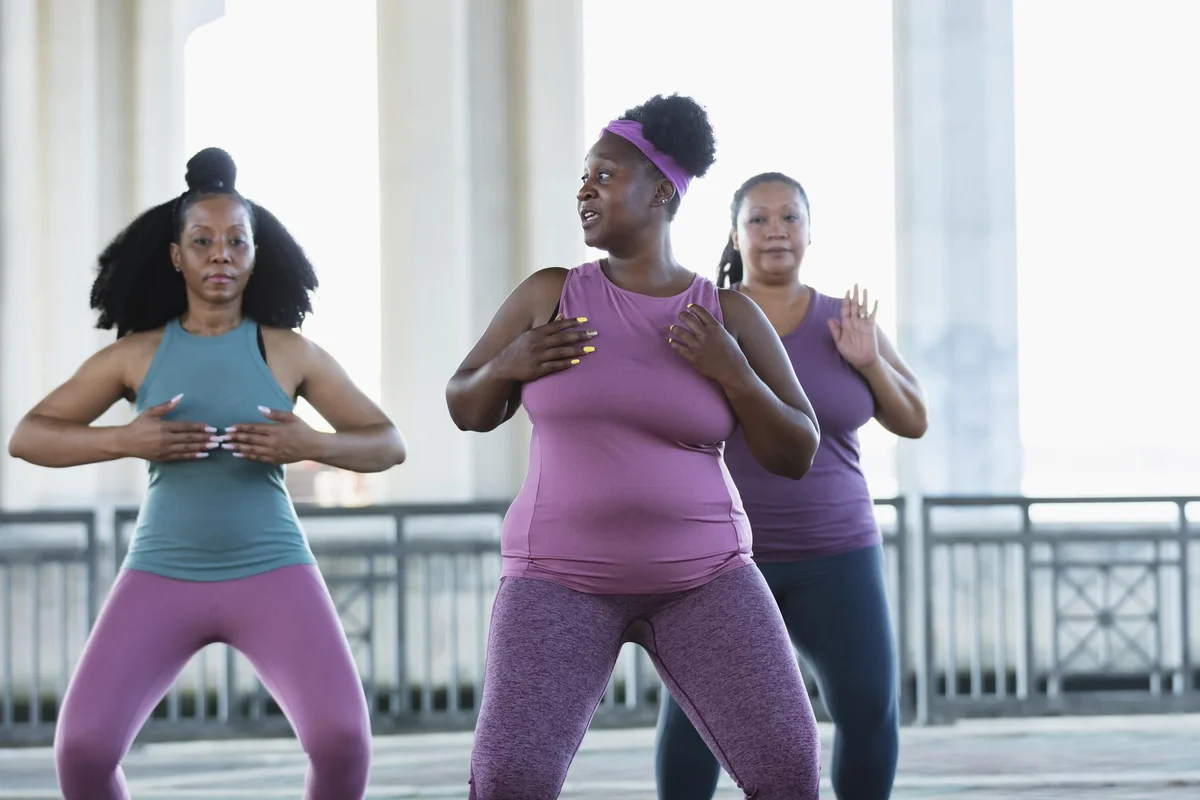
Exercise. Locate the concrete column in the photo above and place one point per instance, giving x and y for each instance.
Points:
(80, 78)
(478, 151)
(19, 238)
(426, 216)
(956, 241)
(161, 31)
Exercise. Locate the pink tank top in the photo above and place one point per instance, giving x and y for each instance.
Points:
(627, 490)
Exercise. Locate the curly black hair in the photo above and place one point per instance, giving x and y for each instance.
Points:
(730, 270)
(678, 126)
(138, 289)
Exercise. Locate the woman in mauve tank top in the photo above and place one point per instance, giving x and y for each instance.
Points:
(634, 372)
(816, 540)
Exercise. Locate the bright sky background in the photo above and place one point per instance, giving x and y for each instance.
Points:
(1107, 169)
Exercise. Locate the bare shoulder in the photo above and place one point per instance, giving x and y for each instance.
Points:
(537, 296)
(740, 312)
(290, 345)
(545, 283)
(137, 345)
(131, 356)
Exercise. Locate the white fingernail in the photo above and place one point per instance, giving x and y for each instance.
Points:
(209, 429)
(227, 446)
(239, 455)
(176, 398)
(201, 455)
(231, 429)
(264, 409)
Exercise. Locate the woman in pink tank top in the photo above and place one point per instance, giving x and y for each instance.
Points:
(634, 371)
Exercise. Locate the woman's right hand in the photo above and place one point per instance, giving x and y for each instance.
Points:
(547, 348)
(152, 438)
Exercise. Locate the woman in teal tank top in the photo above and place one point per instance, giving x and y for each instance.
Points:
(205, 292)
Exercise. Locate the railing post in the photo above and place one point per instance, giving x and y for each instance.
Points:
(91, 571)
(924, 682)
(1026, 682)
(1184, 686)
(903, 601)
(401, 702)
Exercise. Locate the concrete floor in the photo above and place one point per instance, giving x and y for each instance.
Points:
(1100, 758)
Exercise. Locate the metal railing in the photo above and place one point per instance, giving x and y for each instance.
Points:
(997, 604)
(1027, 617)
(48, 602)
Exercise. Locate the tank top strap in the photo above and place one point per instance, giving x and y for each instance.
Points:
(249, 335)
(171, 332)
(572, 296)
(703, 292)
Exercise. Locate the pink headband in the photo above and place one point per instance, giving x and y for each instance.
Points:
(632, 132)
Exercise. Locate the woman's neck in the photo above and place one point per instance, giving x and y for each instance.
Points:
(648, 267)
(783, 291)
(205, 320)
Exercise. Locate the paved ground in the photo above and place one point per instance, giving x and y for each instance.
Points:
(1105, 758)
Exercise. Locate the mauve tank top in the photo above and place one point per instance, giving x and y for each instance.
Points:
(627, 490)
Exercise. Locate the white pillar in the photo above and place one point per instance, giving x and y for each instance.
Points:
(426, 222)
(478, 155)
(162, 28)
(19, 236)
(956, 248)
(79, 80)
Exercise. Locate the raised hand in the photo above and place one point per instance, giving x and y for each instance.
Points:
(152, 438)
(707, 346)
(287, 440)
(547, 348)
(855, 333)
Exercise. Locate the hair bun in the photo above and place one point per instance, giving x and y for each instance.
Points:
(211, 170)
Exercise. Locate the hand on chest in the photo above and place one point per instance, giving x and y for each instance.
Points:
(633, 379)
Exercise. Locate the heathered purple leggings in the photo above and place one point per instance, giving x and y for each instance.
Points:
(283, 621)
(721, 649)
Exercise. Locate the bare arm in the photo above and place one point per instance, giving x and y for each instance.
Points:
(778, 421)
(485, 392)
(58, 431)
(364, 439)
(899, 401)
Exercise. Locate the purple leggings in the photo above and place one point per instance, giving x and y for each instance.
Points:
(283, 621)
(721, 649)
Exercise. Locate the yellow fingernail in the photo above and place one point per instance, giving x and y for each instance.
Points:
(574, 361)
(670, 340)
(581, 319)
(691, 304)
(589, 349)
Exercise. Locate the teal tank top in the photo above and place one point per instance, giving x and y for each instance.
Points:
(216, 518)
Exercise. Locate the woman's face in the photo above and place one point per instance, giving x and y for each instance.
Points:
(772, 231)
(215, 253)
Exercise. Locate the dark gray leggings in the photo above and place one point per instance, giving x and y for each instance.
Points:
(836, 612)
(722, 649)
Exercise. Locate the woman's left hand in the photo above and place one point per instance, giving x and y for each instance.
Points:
(704, 342)
(856, 335)
(289, 440)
